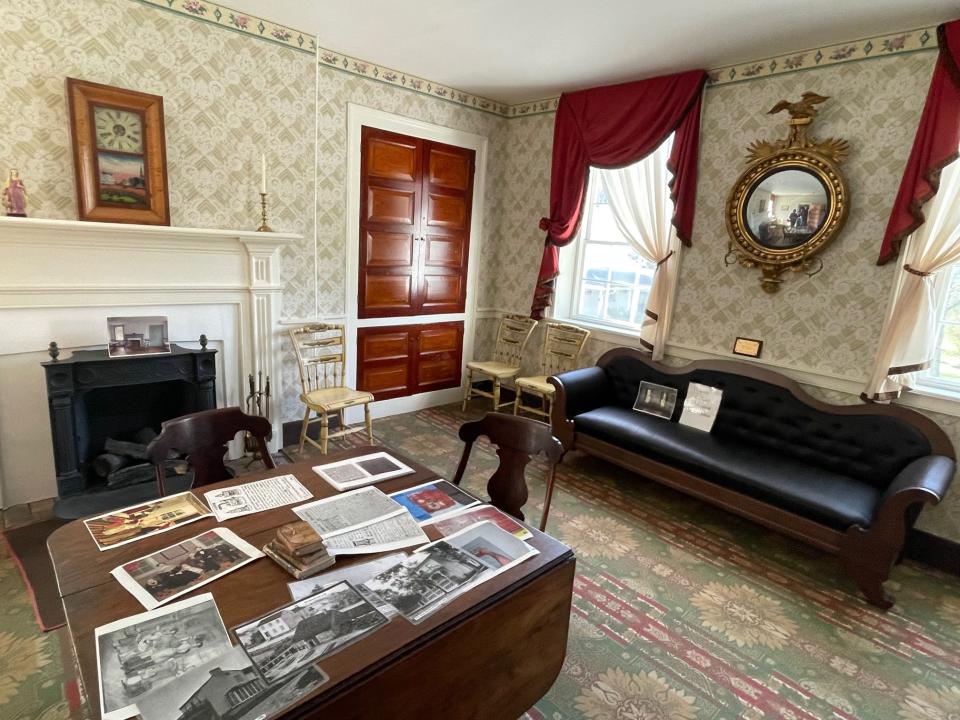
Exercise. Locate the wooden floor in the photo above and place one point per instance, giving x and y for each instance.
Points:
(19, 515)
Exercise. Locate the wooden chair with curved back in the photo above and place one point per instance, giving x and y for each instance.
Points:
(562, 345)
(518, 439)
(202, 437)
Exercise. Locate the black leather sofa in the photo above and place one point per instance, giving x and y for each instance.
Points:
(850, 479)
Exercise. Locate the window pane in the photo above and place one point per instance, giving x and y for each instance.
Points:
(591, 301)
(602, 225)
(948, 366)
(951, 312)
(619, 304)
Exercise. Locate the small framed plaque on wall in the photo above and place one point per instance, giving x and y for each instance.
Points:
(119, 154)
(748, 347)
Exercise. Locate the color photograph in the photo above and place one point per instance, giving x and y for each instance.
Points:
(305, 631)
(144, 652)
(139, 521)
(169, 573)
(146, 335)
(433, 500)
(453, 523)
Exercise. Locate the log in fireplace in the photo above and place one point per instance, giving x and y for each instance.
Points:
(93, 398)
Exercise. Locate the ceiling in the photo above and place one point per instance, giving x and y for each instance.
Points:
(520, 50)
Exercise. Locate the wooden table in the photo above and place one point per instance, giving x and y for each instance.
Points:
(491, 653)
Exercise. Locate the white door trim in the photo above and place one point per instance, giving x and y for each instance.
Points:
(357, 117)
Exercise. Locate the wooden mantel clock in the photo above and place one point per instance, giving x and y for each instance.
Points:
(119, 154)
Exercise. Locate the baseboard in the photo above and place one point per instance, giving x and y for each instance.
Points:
(932, 550)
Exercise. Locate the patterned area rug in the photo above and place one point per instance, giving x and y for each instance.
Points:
(680, 611)
(684, 612)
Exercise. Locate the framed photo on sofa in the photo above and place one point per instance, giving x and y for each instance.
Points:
(119, 154)
(653, 399)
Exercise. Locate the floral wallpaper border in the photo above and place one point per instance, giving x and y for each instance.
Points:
(880, 46)
(243, 23)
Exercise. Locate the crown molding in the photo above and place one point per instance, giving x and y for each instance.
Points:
(887, 45)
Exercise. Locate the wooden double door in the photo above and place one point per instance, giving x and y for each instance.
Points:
(416, 200)
(415, 203)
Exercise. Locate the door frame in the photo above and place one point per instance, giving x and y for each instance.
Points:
(357, 117)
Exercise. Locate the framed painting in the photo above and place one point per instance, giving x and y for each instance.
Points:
(119, 154)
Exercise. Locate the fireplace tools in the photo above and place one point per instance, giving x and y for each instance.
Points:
(256, 403)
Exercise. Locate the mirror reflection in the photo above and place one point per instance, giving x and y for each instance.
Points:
(785, 208)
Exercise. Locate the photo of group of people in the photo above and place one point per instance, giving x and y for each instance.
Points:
(138, 521)
(163, 575)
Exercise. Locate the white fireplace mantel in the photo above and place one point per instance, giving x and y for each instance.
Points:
(61, 279)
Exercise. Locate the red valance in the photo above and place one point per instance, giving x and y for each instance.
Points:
(934, 146)
(611, 127)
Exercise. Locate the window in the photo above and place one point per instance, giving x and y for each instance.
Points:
(944, 372)
(611, 282)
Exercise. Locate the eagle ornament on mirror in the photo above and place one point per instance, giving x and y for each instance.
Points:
(790, 201)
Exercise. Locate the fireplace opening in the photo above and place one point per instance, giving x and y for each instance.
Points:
(127, 414)
(104, 412)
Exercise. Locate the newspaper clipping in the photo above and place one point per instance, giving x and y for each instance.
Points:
(248, 498)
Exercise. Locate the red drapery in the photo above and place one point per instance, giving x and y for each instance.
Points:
(611, 127)
(934, 147)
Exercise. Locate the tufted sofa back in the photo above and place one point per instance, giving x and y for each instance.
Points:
(870, 448)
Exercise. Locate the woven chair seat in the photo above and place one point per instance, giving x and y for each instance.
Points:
(493, 368)
(537, 383)
(335, 398)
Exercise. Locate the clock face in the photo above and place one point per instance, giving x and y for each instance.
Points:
(118, 129)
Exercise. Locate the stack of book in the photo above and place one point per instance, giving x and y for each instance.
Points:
(299, 550)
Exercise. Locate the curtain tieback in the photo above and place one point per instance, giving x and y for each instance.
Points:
(666, 257)
(916, 272)
(544, 224)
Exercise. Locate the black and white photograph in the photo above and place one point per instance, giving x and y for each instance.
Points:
(364, 470)
(146, 335)
(227, 688)
(166, 574)
(426, 577)
(348, 511)
(145, 652)
(305, 631)
(654, 399)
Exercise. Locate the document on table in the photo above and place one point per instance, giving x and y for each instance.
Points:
(253, 497)
(392, 533)
(348, 511)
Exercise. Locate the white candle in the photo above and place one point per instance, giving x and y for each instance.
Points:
(263, 173)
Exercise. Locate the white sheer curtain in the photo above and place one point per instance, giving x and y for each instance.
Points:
(908, 339)
(639, 196)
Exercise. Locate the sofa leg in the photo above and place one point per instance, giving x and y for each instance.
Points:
(867, 559)
(870, 583)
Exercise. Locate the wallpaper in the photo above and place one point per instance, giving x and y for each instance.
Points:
(828, 323)
(226, 99)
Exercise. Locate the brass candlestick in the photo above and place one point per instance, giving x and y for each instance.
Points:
(263, 214)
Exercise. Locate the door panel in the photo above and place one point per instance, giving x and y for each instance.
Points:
(442, 291)
(390, 199)
(393, 157)
(391, 206)
(388, 293)
(448, 211)
(443, 251)
(395, 361)
(449, 169)
(386, 249)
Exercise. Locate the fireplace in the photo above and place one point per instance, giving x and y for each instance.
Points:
(93, 398)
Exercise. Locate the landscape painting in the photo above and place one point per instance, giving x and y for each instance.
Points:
(122, 179)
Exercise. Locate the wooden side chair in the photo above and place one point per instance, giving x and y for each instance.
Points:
(562, 345)
(512, 337)
(322, 355)
(203, 437)
(517, 439)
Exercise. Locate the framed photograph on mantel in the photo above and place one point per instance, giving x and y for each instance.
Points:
(119, 154)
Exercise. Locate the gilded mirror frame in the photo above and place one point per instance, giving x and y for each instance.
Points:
(799, 152)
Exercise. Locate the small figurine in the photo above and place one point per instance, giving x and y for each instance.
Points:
(15, 195)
